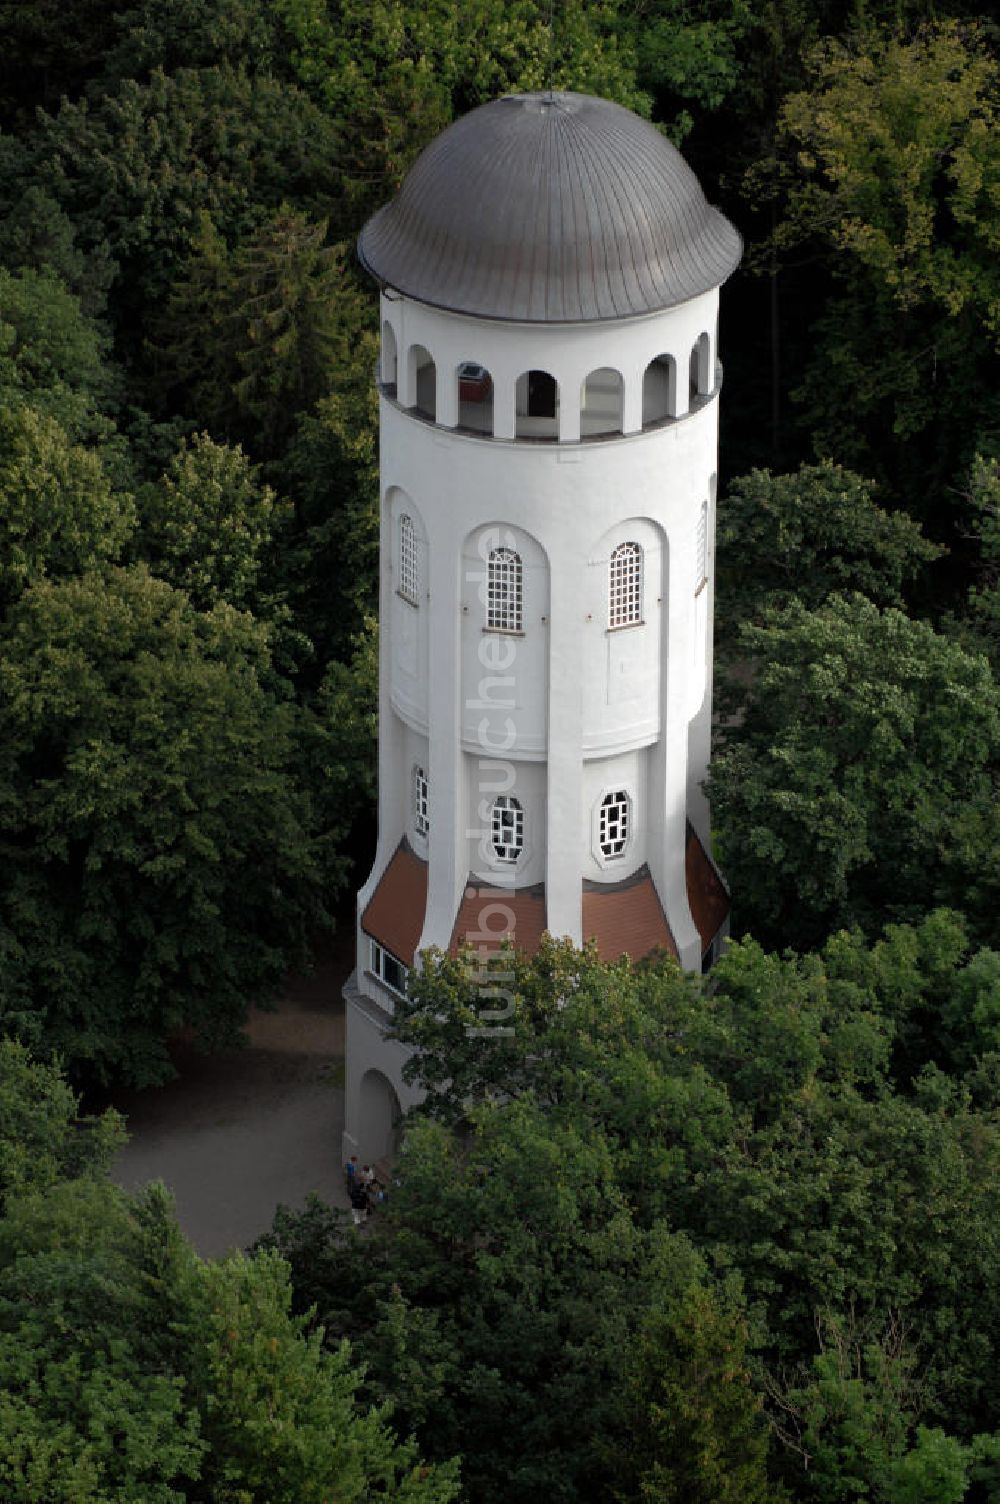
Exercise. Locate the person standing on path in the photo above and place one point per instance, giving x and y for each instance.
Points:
(359, 1200)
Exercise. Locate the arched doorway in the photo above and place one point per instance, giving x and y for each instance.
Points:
(379, 1118)
(601, 404)
(423, 382)
(659, 391)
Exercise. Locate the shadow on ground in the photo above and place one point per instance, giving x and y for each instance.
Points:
(239, 1132)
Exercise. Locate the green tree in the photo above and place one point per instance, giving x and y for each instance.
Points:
(51, 355)
(92, 1408)
(158, 863)
(282, 312)
(42, 1137)
(134, 169)
(859, 783)
(290, 286)
(131, 1371)
(393, 73)
(199, 335)
(984, 597)
(208, 523)
(784, 1123)
(37, 235)
(280, 1413)
(331, 471)
(340, 741)
(696, 1432)
(892, 177)
(512, 1288)
(889, 136)
(855, 1427)
(193, 34)
(807, 535)
(59, 514)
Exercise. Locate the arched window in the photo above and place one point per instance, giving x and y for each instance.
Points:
(505, 591)
(615, 823)
(507, 828)
(701, 548)
(625, 586)
(421, 808)
(409, 560)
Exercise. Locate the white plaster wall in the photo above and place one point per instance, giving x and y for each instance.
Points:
(486, 778)
(366, 1047)
(565, 498)
(565, 503)
(504, 675)
(568, 352)
(700, 729)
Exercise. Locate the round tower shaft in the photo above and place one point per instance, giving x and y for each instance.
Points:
(549, 384)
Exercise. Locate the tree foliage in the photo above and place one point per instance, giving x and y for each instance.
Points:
(893, 178)
(159, 863)
(670, 1238)
(859, 782)
(208, 523)
(807, 536)
(130, 1370)
(652, 1205)
(891, 138)
(59, 514)
(43, 1139)
(984, 595)
(51, 355)
(392, 72)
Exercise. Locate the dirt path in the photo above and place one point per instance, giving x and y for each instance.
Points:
(239, 1132)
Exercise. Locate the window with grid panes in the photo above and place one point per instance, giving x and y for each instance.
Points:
(508, 828)
(613, 832)
(625, 586)
(505, 591)
(421, 809)
(387, 968)
(409, 562)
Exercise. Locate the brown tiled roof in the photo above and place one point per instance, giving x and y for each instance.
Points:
(395, 912)
(626, 918)
(487, 916)
(707, 896)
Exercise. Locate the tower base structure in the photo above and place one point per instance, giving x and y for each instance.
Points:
(624, 918)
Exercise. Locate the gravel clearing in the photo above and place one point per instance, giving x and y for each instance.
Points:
(239, 1132)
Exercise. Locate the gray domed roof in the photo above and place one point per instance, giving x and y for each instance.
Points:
(550, 208)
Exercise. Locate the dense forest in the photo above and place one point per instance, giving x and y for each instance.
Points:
(726, 1241)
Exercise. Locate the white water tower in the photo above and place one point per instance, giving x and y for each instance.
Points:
(549, 384)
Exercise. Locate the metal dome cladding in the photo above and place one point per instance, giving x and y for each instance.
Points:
(550, 208)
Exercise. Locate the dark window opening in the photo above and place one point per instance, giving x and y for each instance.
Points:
(541, 395)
